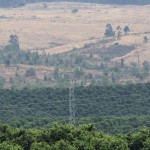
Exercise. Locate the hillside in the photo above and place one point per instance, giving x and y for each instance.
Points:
(49, 34)
(55, 23)
(64, 64)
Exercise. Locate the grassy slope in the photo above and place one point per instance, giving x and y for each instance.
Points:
(57, 25)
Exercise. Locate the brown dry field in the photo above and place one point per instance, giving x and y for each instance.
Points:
(56, 30)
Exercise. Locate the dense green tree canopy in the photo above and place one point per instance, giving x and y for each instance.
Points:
(28, 105)
(67, 137)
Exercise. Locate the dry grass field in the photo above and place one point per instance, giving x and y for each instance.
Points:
(53, 28)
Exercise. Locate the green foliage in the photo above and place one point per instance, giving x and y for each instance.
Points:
(145, 39)
(20, 57)
(126, 30)
(63, 145)
(137, 141)
(30, 72)
(89, 76)
(104, 80)
(146, 144)
(106, 57)
(79, 59)
(7, 62)
(56, 73)
(68, 137)
(146, 66)
(2, 82)
(78, 72)
(122, 62)
(9, 146)
(109, 31)
(91, 101)
(83, 64)
(40, 145)
(13, 44)
(74, 11)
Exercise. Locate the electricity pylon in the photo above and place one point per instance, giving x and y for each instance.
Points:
(71, 96)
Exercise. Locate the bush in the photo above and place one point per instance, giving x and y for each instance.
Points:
(145, 39)
(74, 11)
(30, 72)
(2, 82)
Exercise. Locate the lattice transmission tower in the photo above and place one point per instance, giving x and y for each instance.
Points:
(71, 96)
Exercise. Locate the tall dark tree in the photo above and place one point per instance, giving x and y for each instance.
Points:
(118, 33)
(126, 30)
(109, 30)
(13, 43)
(145, 39)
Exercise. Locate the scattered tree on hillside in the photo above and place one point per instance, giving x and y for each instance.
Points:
(118, 28)
(7, 62)
(30, 72)
(118, 33)
(122, 61)
(2, 82)
(109, 30)
(11, 80)
(146, 66)
(78, 72)
(145, 39)
(56, 73)
(113, 78)
(126, 30)
(13, 43)
(74, 11)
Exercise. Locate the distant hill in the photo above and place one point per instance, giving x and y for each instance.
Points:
(17, 3)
